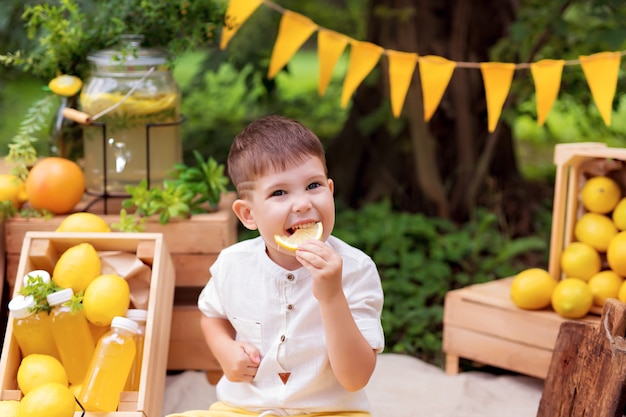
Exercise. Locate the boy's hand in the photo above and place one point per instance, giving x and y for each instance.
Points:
(241, 363)
(325, 265)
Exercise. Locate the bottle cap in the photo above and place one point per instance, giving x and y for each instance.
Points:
(137, 314)
(60, 296)
(44, 275)
(20, 306)
(124, 323)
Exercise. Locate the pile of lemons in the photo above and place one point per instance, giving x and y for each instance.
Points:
(593, 265)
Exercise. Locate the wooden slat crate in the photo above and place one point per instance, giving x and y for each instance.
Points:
(194, 245)
(570, 159)
(482, 324)
(40, 250)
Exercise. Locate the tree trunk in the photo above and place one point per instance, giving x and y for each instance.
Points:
(445, 167)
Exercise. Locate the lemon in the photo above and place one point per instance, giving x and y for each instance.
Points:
(106, 297)
(603, 285)
(619, 214)
(600, 194)
(83, 222)
(36, 369)
(50, 400)
(65, 85)
(580, 260)
(596, 230)
(532, 288)
(616, 253)
(572, 298)
(8, 408)
(12, 189)
(77, 267)
(301, 234)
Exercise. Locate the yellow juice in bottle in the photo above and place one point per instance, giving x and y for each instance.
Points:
(32, 331)
(71, 334)
(109, 367)
(139, 316)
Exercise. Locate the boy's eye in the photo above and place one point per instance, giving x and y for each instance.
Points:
(278, 193)
(313, 185)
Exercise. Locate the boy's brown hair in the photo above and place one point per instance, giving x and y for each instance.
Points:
(270, 144)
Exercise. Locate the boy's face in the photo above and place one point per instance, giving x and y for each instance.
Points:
(281, 200)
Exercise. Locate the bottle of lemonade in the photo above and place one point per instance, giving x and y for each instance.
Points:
(109, 367)
(139, 316)
(31, 329)
(71, 334)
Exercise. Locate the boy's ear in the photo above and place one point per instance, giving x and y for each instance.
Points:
(244, 214)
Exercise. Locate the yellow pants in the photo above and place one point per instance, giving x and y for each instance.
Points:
(219, 409)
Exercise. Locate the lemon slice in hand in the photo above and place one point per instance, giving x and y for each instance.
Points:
(302, 233)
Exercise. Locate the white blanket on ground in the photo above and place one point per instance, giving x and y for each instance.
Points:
(402, 386)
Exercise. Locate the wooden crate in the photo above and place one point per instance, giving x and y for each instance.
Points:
(41, 250)
(482, 324)
(571, 161)
(194, 245)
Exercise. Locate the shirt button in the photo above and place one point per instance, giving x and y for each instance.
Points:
(290, 277)
(282, 338)
(289, 306)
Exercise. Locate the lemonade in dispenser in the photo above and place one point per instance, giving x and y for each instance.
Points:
(136, 102)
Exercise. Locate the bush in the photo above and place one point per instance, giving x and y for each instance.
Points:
(420, 259)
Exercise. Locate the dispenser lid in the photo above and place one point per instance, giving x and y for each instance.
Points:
(20, 306)
(129, 56)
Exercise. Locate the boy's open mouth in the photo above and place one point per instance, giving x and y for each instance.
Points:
(293, 229)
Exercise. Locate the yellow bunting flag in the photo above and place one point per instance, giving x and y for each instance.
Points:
(547, 77)
(401, 68)
(293, 31)
(601, 73)
(363, 58)
(330, 46)
(435, 74)
(237, 13)
(497, 77)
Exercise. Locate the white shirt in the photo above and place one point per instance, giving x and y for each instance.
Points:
(275, 310)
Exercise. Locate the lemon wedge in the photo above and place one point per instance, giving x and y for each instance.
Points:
(302, 233)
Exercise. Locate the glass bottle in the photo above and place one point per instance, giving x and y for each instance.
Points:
(152, 110)
(71, 335)
(109, 367)
(32, 331)
(139, 316)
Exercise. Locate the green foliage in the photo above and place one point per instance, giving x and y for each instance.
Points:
(36, 287)
(420, 259)
(64, 32)
(192, 190)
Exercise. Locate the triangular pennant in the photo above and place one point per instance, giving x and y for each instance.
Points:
(293, 31)
(547, 78)
(284, 376)
(435, 74)
(363, 58)
(601, 73)
(497, 77)
(330, 46)
(401, 68)
(237, 13)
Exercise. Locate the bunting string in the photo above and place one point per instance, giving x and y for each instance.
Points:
(600, 69)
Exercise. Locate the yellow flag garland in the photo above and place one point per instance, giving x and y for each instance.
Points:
(435, 74)
(600, 70)
(547, 77)
(237, 13)
(294, 30)
(363, 58)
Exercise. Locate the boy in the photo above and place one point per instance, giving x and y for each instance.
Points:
(296, 333)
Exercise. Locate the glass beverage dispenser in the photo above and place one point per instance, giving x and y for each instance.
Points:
(136, 103)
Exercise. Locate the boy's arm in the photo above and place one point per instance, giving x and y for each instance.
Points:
(351, 357)
(239, 361)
